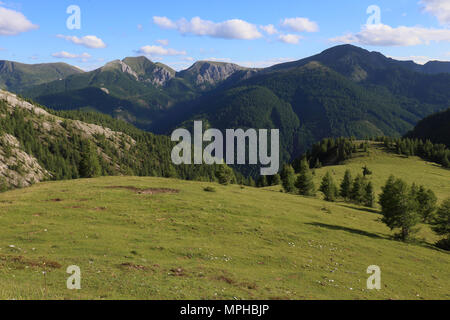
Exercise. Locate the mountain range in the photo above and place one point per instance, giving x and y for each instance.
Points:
(343, 91)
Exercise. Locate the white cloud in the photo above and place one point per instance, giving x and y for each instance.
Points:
(264, 63)
(160, 51)
(230, 29)
(228, 60)
(140, 27)
(67, 55)
(300, 25)
(13, 22)
(439, 8)
(164, 22)
(384, 35)
(290, 38)
(163, 42)
(269, 29)
(92, 42)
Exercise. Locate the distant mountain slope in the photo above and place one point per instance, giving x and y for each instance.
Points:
(310, 102)
(15, 76)
(435, 128)
(342, 91)
(359, 63)
(134, 89)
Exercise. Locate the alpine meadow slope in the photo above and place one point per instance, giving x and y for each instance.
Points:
(132, 239)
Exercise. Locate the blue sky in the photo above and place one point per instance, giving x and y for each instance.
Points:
(251, 33)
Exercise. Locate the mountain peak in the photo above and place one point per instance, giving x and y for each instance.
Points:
(205, 73)
(122, 66)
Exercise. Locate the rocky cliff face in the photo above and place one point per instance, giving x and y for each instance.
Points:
(120, 65)
(146, 71)
(17, 168)
(160, 76)
(205, 73)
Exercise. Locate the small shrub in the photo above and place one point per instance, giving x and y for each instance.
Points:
(209, 189)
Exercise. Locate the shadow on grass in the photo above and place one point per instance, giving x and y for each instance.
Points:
(350, 230)
(361, 209)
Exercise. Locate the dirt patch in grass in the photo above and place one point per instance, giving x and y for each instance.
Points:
(55, 200)
(132, 266)
(178, 272)
(150, 191)
(23, 262)
(225, 279)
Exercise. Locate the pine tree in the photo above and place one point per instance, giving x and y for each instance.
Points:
(288, 179)
(427, 203)
(3, 185)
(276, 180)
(225, 174)
(346, 185)
(399, 207)
(441, 224)
(262, 182)
(89, 165)
(328, 188)
(358, 190)
(369, 196)
(305, 183)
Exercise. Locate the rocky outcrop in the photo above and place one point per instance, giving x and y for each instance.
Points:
(121, 66)
(160, 76)
(210, 73)
(18, 168)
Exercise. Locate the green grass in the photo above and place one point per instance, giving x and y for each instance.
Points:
(235, 243)
(382, 164)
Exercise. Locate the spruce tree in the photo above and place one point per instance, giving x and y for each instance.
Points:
(358, 191)
(288, 178)
(346, 185)
(328, 187)
(441, 224)
(89, 165)
(305, 183)
(369, 196)
(399, 207)
(3, 185)
(427, 202)
(276, 180)
(262, 182)
(225, 174)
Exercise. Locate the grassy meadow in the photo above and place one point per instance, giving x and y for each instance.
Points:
(234, 243)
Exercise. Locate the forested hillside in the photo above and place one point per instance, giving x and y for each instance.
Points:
(435, 128)
(36, 145)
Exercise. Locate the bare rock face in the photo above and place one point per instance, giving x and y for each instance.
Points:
(121, 66)
(211, 73)
(160, 76)
(13, 101)
(18, 168)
